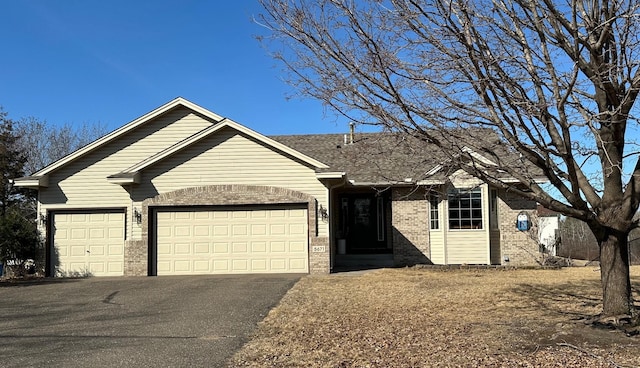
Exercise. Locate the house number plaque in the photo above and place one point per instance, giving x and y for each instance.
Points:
(318, 249)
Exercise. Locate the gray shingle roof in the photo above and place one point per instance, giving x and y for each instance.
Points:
(371, 158)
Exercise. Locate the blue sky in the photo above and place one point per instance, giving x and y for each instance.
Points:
(109, 62)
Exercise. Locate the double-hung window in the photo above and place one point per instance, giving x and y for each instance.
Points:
(465, 209)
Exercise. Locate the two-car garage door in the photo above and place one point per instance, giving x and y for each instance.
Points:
(231, 240)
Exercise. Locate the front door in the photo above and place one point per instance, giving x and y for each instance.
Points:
(363, 223)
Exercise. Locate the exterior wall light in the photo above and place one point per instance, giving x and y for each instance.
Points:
(137, 215)
(323, 213)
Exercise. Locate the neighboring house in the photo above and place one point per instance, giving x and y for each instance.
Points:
(182, 190)
(548, 228)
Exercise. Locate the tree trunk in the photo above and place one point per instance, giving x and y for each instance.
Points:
(614, 274)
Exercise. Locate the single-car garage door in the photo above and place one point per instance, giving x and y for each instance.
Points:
(237, 240)
(88, 243)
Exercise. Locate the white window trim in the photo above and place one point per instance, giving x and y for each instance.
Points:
(482, 208)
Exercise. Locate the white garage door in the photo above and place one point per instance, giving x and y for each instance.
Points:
(259, 240)
(88, 243)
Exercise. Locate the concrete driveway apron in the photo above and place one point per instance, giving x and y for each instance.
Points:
(194, 321)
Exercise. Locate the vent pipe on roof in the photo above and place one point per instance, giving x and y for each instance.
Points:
(352, 127)
(346, 140)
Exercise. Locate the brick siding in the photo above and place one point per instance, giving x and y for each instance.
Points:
(520, 247)
(409, 219)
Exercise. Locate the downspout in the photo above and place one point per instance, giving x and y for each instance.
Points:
(445, 225)
(486, 205)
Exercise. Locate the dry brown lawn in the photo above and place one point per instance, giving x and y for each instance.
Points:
(424, 318)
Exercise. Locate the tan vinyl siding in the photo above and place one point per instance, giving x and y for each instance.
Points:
(231, 158)
(469, 246)
(437, 246)
(83, 182)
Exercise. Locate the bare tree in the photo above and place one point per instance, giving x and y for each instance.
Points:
(45, 143)
(555, 81)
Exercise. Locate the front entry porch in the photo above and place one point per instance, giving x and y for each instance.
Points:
(362, 224)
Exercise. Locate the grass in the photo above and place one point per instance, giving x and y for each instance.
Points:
(445, 318)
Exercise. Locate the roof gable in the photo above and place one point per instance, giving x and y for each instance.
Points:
(179, 101)
(132, 171)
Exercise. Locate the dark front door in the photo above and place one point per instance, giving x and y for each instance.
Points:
(364, 223)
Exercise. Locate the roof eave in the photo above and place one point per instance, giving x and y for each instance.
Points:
(125, 178)
(537, 180)
(395, 183)
(328, 175)
(32, 182)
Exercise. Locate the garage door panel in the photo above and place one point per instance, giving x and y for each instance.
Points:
(277, 247)
(201, 266)
(278, 264)
(298, 264)
(239, 230)
(164, 216)
(259, 265)
(221, 266)
(297, 247)
(182, 230)
(259, 247)
(81, 218)
(164, 267)
(78, 234)
(277, 229)
(221, 231)
(221, 248)
(97, 233)
(240, 265)
(97, 267)
(295, 229)
(232, 241)
(116, 233)
(239, 214)
(260, 229)
(182, 248)
(115, 267)
(89, 243)
(97, 250)
(202, 215)
(201, 230)
(116, 250)
(164, 231)
(77, 250)
(201, 248)
(239, 248)
(182, 216)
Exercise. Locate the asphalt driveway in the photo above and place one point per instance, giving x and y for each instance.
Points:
(195, 321)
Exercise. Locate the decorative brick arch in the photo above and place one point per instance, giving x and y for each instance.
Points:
(137, 251)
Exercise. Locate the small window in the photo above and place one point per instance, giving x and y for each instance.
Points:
(493, 209)
(434, 214)
(380, 218)
(465, 209)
